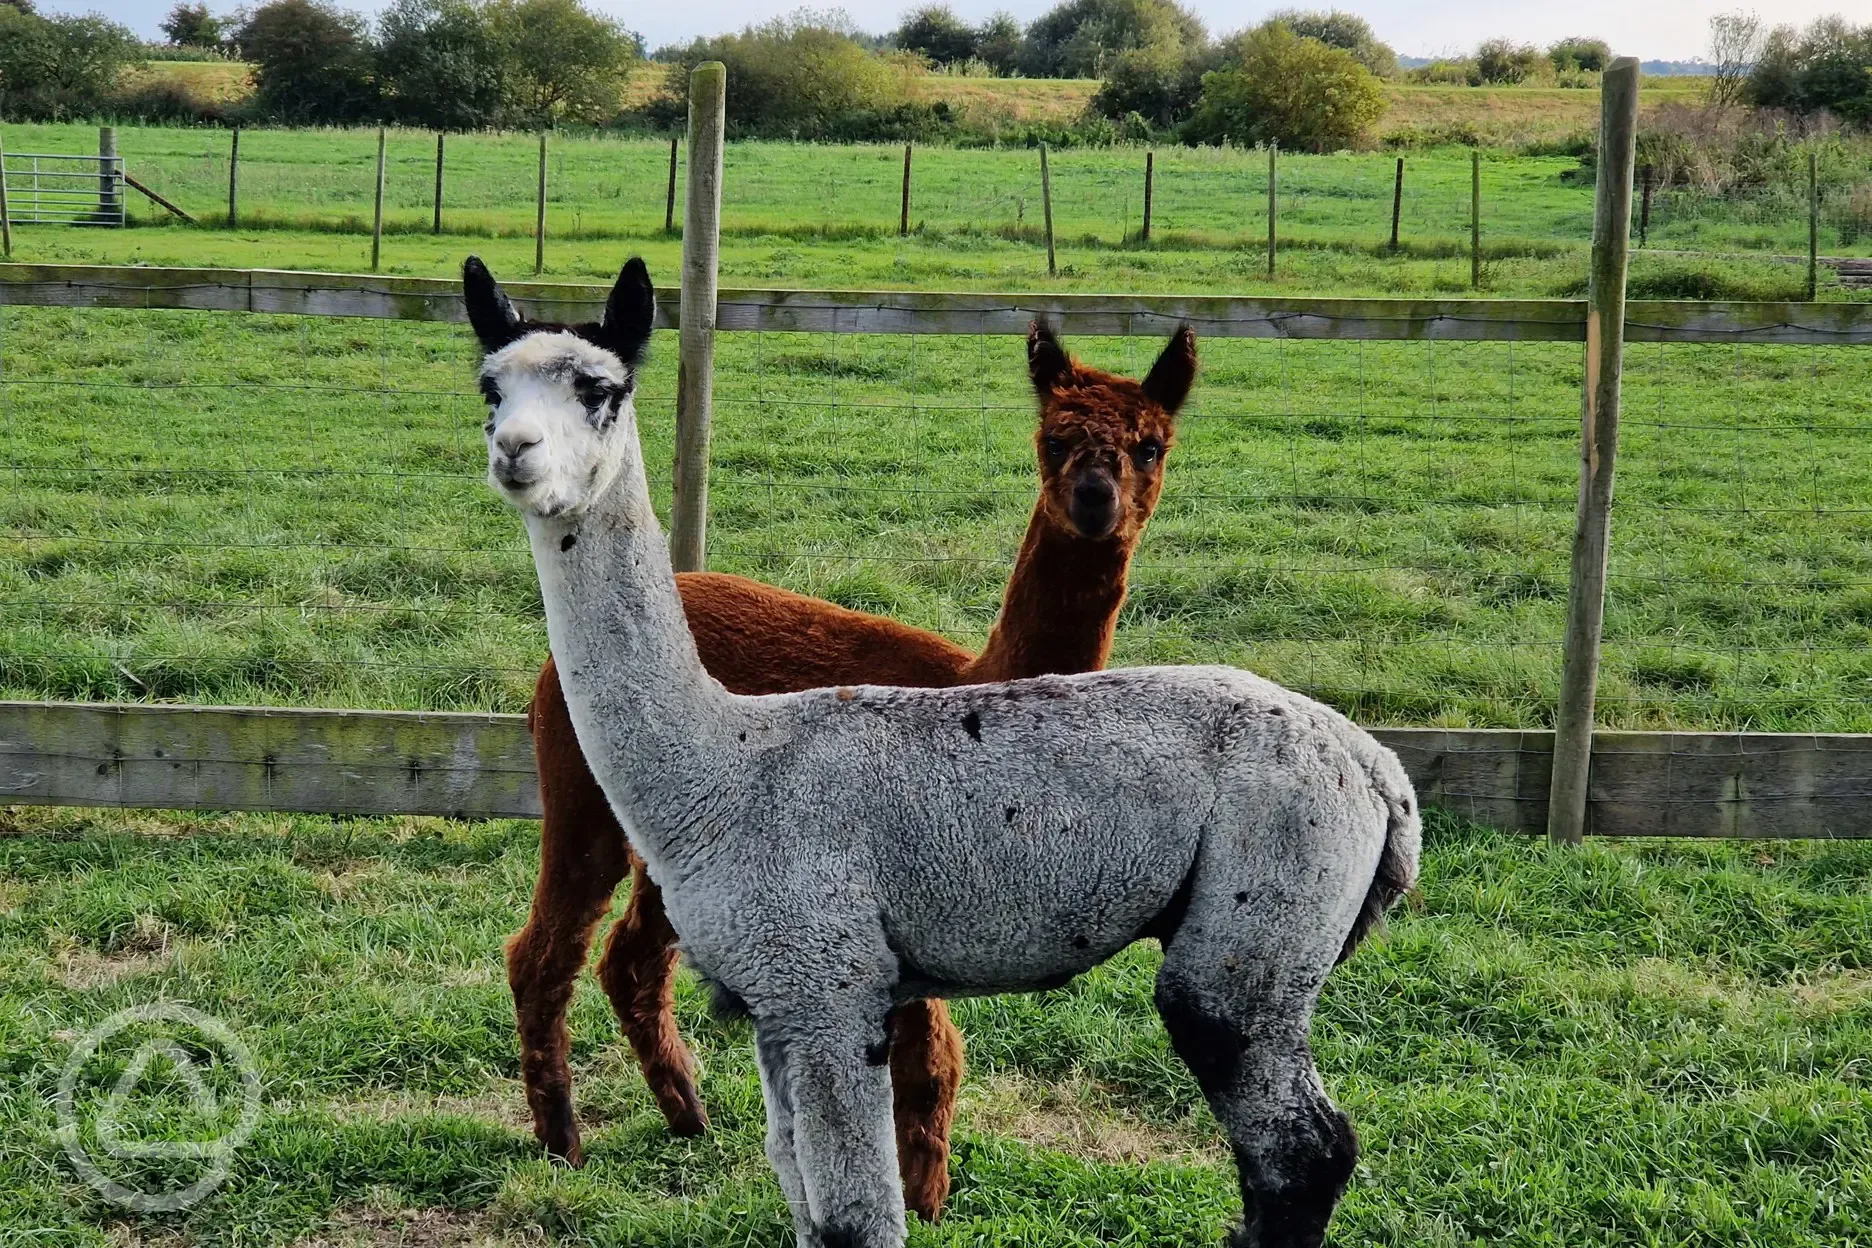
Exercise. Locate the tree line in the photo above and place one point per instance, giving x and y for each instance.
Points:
(444, 64)
(1307, 79)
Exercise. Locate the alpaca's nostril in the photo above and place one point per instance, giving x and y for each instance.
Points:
(1095, 505)
(514, 445)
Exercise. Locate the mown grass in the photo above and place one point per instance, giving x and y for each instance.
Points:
(1642, 1044)
(229, 508)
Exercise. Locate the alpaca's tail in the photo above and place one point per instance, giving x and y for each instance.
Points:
(1397, 864)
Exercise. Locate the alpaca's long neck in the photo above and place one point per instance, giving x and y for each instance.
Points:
(655, 728)
(1061, 607)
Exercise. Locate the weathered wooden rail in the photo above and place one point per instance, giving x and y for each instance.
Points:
(291, 293)
(481, 767)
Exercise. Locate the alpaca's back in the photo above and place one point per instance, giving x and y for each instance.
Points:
(757, 638)
(1014, 835)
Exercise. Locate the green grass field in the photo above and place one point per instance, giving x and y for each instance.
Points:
(1647, 1044)
(227, 508)
(1642, 1044)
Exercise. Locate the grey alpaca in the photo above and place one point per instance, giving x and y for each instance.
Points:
(827, 855)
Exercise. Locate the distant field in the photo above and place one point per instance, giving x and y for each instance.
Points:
(220, 81)
(1518, 114)
(819, 214)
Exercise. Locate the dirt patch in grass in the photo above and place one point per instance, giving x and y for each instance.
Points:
(1815, 994)
(1080, 1120)
(365, 1227)
(149, 946)
(504, 1104)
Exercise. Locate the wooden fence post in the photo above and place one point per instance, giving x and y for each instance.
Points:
(234, 179)
(438, 187)
(1150, 178)
(110, 192)
(1397, 203)
(539, 214)
(1813, 225)
(1273, 155)
(1592, 529)
(1046, 202)
(376, 233)
(708, 97)
(669, 201)
(903, 220)
(6, 216)
(1475, 218)
(1644, 206)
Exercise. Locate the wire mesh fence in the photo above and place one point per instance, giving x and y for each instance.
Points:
(221, 507)
(602, 186)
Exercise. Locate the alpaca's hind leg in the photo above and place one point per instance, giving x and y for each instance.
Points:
(581, 862)
(638, 972)
(1240, 1024)
(839, 1082)
(926, 1067)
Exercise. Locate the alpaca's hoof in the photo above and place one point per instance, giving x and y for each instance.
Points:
(557, 1130)
(682, 1109)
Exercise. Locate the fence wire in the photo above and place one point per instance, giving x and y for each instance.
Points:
(602, 186)
(238, 508)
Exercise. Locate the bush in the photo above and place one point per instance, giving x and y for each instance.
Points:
(1083, 38)
(1589, 55)
(1289, 90)
(798, 77)
(1827, 67)
(1502, 62)
(60, 66)
(1451, 73)
(1159, 83)
(1342, 30)
(312, 62)
(998, 43)
(562, 62)
(934, 31)
(192, 26)
(439, 65)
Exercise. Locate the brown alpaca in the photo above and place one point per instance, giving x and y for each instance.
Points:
(1101, 445)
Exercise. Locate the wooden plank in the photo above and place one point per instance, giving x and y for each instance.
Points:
(1710, 784)
(247, 758)
(1698, 784)
(294, 292)
(1795, 324)
(1494, 776)
(158, 200)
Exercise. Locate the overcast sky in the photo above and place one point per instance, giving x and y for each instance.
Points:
(1651, 29)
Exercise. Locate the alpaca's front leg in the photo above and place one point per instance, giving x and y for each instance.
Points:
(770, 1055)
(842, 1131)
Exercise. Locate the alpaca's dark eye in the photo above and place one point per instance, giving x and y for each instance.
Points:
(1147, 452)
(490, 392)
(1056, 449)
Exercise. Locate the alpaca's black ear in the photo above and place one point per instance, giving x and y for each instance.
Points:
(1047, 361)
(490, 311)
(630, 312)
(1174, 372)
